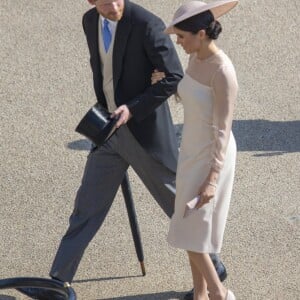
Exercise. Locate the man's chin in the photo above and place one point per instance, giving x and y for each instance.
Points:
(116, 17)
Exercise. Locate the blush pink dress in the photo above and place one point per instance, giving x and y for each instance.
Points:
(208, 92)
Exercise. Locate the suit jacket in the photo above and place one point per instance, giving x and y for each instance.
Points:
(140, 47)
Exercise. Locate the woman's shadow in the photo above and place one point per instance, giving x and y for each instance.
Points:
(268, 137)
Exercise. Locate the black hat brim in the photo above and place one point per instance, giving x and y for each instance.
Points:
(97, 125)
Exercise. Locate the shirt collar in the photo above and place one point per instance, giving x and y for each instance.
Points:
(111, 24)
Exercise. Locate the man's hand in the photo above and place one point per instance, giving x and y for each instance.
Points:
(123, 113)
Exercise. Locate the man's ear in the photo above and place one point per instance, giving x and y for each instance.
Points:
(92, 2)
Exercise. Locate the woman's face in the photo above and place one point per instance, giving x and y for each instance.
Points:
(189, 42)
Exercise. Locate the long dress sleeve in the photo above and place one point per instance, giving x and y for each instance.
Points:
(225, 88)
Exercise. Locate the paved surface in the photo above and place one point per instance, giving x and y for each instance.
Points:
(46, 88)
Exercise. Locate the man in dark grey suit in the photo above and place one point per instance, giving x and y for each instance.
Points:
(145, 139)
(122, 63)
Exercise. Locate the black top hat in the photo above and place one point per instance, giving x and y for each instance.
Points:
(97, 125)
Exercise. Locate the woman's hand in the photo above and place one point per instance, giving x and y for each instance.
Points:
(157, 76)
(207, 192)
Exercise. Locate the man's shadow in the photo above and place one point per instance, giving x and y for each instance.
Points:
(154, 296)
(5, 297)
(80, 145)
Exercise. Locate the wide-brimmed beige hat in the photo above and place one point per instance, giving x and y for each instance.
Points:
(192, 8)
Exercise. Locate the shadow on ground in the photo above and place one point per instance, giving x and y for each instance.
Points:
(5, 297)
(270, 137)
(155, 296)
(80, 145)
(104, 279)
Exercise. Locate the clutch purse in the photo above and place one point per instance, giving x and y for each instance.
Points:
(190, 207)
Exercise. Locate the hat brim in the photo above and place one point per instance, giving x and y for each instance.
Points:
(97, 125)
(218, 9)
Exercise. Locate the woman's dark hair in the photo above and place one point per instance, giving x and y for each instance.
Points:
(204, 20)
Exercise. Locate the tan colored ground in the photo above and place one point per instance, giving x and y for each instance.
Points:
(45, 89)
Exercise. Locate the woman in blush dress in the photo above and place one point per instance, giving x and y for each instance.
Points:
(207, 158)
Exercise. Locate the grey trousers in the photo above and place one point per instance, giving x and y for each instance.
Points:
(104, 172)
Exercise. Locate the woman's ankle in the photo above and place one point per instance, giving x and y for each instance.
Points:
(218, 294)
(203, 294)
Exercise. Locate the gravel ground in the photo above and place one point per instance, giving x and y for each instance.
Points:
(46, 88)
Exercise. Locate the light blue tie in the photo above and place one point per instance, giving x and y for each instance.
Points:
(106, 35)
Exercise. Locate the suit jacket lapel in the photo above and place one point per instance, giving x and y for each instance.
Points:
(121, 37)
(94, 40)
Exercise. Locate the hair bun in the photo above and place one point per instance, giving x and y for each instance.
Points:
(213, 30)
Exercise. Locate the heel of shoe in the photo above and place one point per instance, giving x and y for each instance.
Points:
(230, 295)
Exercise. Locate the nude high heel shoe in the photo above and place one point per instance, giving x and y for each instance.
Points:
(230, 295)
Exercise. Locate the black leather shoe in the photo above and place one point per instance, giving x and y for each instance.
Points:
(222, 273)
(41, 294)
(221, 270)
